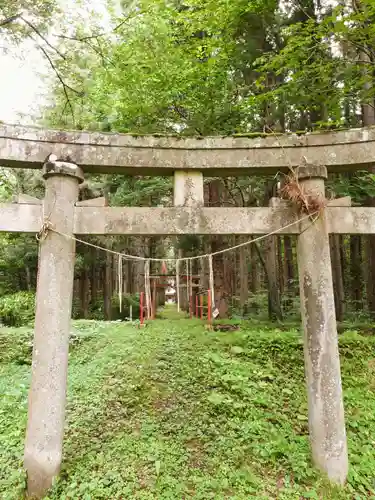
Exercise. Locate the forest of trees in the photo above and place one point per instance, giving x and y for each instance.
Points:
(203, 67)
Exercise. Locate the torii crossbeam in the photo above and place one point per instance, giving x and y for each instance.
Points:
(189, 160)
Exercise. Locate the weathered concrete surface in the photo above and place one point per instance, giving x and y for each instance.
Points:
(18, 218)
(356, 220)
(345, 201)
(27, 147)
(27, 199)
(188, 189)
(322, 363)
(188, 192)
(54, 166)
(181, 220)
(97, 219)
(212, 220)
(93, 202)
(45, 426)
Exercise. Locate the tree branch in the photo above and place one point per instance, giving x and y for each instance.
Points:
(229, 191)
(63, 110)
(100, 54)
(65, 85)
(90, 37)
(121, 24)
(302, 9)
(79, 39)
(87, 41)
(9, 20)
(182, 114)
(35, 29)
(357, 61)
(261, 259)
(241, 192)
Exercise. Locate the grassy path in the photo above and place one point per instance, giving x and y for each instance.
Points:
(173, 411)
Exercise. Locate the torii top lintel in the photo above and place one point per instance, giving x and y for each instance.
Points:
(28, 147)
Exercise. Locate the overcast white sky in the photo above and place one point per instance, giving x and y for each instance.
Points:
(22, 86)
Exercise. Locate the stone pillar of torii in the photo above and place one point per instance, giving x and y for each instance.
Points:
(60, 217)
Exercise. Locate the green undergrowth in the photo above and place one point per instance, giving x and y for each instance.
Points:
(174, 411)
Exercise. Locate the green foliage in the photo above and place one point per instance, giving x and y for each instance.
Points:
(322, 68)
(170, 70)
(18, 255)
(127, 301)
(143, 191)
(18, 252)
(16, 345)
(17, 309)
(359, 186)
(96, 308)
(174, 411)
(214, 68)
(25, 18)
(6, 184)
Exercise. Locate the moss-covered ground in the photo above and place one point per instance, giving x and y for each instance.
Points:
(174, 411)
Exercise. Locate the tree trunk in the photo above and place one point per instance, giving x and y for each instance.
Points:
(271, 269)
(243, 272)
(28, 279)
(195, 272)
(129, 276)
(342, 246)
(370, 240)
(272, 265)
(280, 266)
(107, 288)
(84, 292)
(368, 119)
(255, 278)
(94, 278)
(139, 268)
(356, 274)
(203, 268)
(229, 266)
(338, 284)
(217, 244)
(289, 269)
(371, 275)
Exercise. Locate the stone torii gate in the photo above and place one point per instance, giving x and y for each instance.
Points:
(188, 160)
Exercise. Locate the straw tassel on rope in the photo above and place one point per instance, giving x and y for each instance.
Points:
(120, 282)
(178, 284)
(187, 282)
(212, 284)
(191, 278)
(149, 291)
(147, 287)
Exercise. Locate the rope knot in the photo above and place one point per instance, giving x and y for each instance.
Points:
(46, 227)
